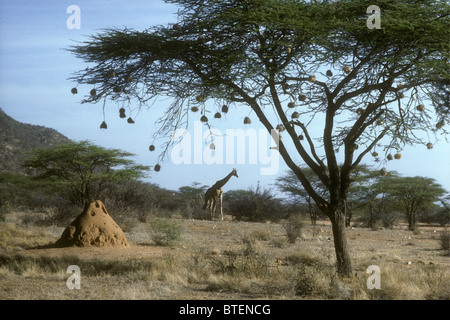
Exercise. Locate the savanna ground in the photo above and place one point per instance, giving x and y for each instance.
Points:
(224, 260)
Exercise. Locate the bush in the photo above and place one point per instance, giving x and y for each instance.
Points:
(248, 262)
(445, 241)
(165, 232)
(390, 220)
(254, 205)
(439, 216)
(293, 227)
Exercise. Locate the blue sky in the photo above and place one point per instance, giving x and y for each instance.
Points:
(34, 88)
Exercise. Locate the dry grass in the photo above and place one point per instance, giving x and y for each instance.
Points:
(225, 260)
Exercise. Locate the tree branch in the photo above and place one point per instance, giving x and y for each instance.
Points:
(362, 154)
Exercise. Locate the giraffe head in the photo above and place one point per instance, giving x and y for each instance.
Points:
(234, 173)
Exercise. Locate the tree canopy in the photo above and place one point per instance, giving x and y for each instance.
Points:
(82, 170)
(297, 65)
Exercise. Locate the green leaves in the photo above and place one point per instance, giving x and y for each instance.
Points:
(82, 168)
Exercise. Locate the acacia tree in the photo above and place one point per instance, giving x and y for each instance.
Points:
(82, 171)
(414, 194)
(297, 65)
(369, 190)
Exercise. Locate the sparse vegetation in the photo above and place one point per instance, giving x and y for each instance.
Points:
(229, 259)
(293, 226)
(255, 204)
(445, 241)
(165, 232)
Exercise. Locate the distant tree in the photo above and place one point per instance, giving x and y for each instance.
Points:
(132, 197)
(82, 170)
(191, 200)
(443, 214)
(414, 194)
(254, 204)
(368, 192)
(195, 191)
(290, 184)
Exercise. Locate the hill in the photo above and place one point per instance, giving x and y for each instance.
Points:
(16, 139)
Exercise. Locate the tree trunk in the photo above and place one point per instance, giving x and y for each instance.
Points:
(312, 213)
(411, 221)
(371, 222)
(343, 262)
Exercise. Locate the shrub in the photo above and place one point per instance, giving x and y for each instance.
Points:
(440, 216)
(293, 227)
(248, 262)
(261, 234)
(165, 232)
(390, 220)
(313, 275)
(254, 205)
(445, 241)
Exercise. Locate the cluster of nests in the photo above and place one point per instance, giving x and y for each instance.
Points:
(280, 128)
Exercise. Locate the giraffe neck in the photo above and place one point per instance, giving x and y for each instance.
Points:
(219, 184)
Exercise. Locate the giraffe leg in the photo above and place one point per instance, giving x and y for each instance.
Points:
(210, 209)
(213, 212)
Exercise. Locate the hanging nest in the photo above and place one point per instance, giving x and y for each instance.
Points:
(93, 93)
(429, 145)
(103, 125)
(383, 172)
(247, 120)
(111, 74)
(440, 124)
(204, 118)
(390, 157)
(224, 108)
(217, 115)
(329, 73)
(74, 90)
(374, 154)
(157, 168)
(280, 128)
(130, 120)
(200, 98)
(194, 109)
(151, 148)
(360, 111)
(291, 105)
(295, 115)
(420, 108)
(398, 155)
(312, 78)
(347, 69)
(122, 113)
(301, 97)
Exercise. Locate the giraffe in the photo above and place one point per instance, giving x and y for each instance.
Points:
(215, 192)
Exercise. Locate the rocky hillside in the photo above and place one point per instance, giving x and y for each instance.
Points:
(17, 138)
